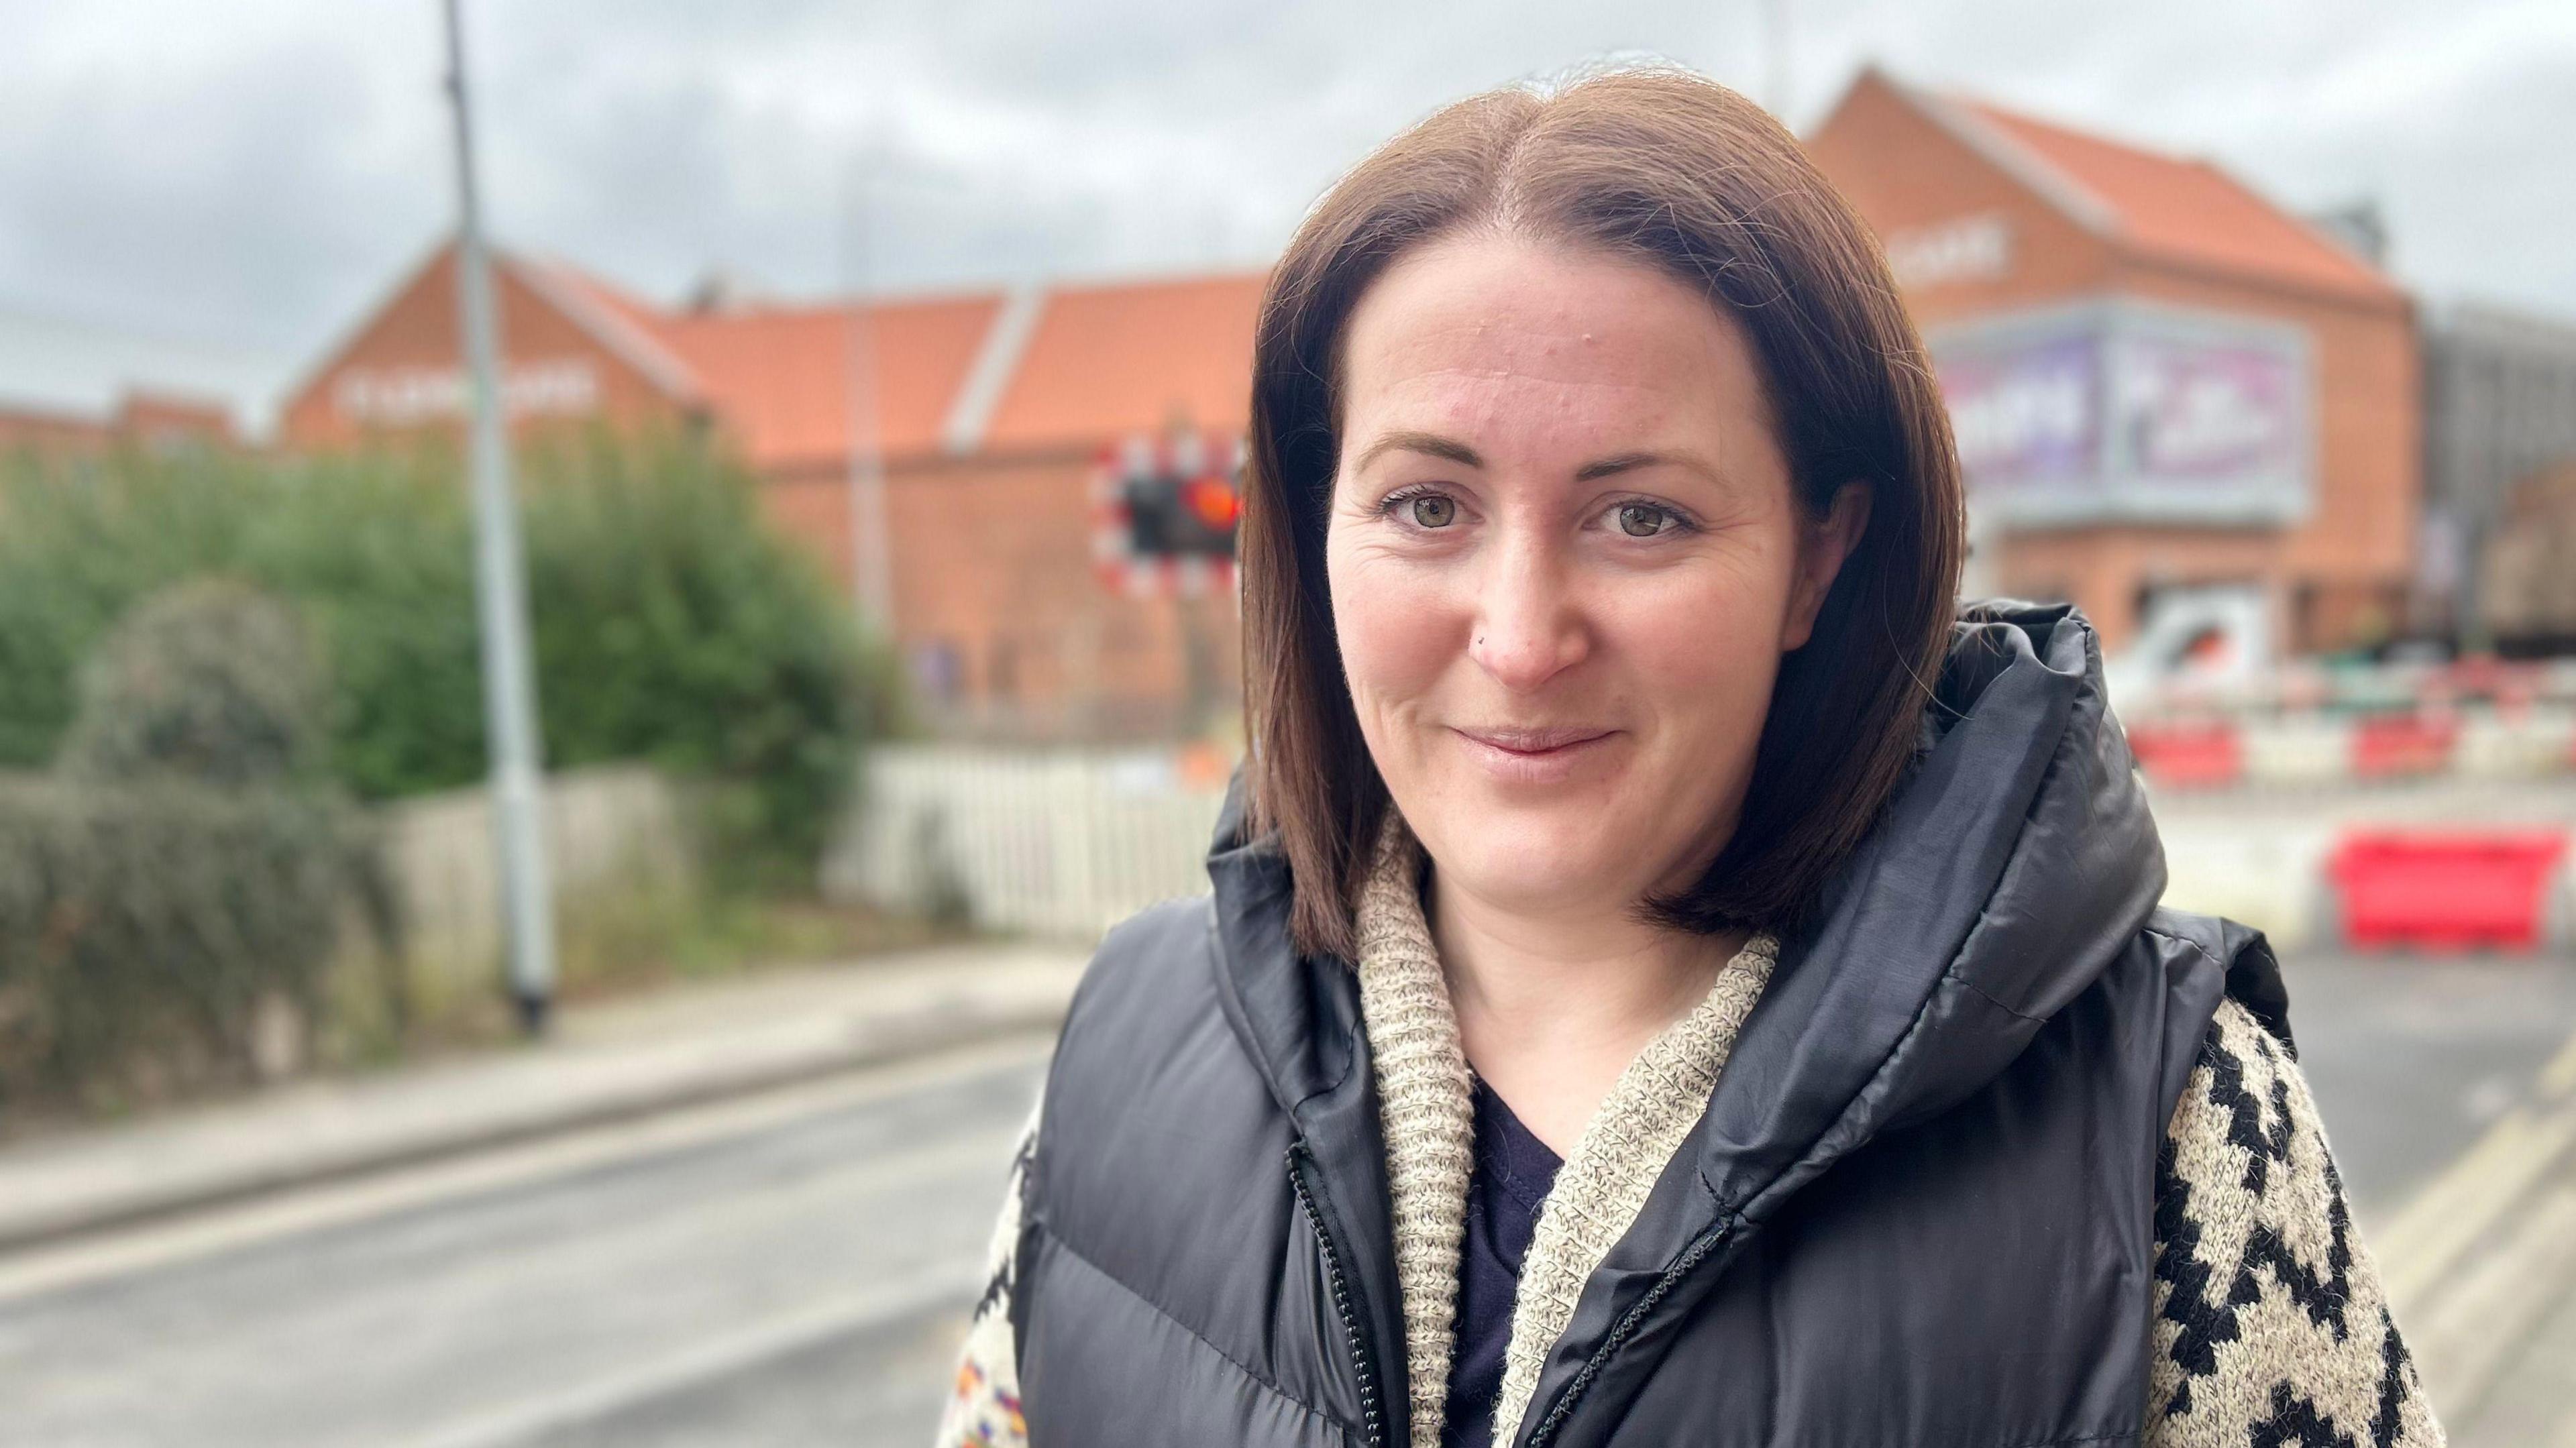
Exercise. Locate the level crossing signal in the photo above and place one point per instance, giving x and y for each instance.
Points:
(1164, 509)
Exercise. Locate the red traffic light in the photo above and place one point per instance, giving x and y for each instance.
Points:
(1212, 501)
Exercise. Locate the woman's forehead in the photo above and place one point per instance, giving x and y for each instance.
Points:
(1505, 345)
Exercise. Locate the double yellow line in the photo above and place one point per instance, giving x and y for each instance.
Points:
(2483, 1253)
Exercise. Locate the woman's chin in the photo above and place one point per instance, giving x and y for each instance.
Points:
(1539, 874)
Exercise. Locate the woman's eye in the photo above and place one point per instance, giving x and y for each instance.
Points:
(1643, 520)
(1434, 511)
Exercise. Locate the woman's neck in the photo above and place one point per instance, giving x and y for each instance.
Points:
(1551, 1009)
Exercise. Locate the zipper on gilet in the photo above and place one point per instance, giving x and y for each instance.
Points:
(1363, 1364)
(1628, 1324)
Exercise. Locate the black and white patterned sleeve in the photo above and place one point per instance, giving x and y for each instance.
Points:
(984, 1403)
(2271, 1325)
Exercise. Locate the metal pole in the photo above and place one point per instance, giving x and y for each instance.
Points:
(1775, 55)
(500, 596)
(871, 563)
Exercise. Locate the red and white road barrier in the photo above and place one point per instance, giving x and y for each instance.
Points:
(2212, 751)
(2303, 685)
(2189, 754)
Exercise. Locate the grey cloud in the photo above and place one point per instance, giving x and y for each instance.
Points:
(265, 181)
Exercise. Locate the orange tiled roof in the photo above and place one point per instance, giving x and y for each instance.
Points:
(626, 326)
(781, 377)
(1110, 359)
(1090, 364)
(2186, 211)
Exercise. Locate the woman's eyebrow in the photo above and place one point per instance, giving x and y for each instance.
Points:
(1430, 444)
(1628, 462)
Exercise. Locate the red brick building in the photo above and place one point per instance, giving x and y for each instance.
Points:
(2161, 381)
(148, 420)
(72, 386)
(990, 411)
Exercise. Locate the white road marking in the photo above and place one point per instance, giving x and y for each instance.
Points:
(2558, 1078)
(2471, 1333)
(2480, 1256)
(2446, 1219)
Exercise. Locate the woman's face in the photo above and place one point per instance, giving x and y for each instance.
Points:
(1564, 563)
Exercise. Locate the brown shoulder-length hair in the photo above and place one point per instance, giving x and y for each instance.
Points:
(1659, 166)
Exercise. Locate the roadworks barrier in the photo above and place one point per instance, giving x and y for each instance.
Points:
(2499, 890)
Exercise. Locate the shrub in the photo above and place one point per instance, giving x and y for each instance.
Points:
(211, 681)
(671, 625)
(144, 929)
(373, 552)
(185, 872)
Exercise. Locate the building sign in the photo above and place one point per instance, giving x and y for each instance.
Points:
(409, 396)
(1966, 249)
(2027, 415)
(2189, 412)
(2113, 410)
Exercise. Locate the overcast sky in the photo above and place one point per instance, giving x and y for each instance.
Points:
(256, 172)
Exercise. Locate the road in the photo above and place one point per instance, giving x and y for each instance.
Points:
(787, 1270)
(793, 1269)
(2411, 1057)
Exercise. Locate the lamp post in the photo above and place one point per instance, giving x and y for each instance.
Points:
(500, 597)
(871, 560)
(1776, 80)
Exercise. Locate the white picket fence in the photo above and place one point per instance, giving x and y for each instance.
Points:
(1059, 844)
(607, 828)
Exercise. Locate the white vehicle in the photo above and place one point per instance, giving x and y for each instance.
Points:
(2204, 638)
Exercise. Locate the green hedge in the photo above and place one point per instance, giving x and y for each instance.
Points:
(671, 624)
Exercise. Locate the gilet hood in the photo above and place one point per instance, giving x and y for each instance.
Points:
(2012, 863)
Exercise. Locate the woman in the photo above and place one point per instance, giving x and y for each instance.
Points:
(1669, 980)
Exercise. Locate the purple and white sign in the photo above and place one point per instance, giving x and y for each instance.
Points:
(2206, 412)
(2028, 416)
(2112, 409)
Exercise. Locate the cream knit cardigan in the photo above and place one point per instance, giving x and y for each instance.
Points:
(1430, 1138)
(2271, 1325)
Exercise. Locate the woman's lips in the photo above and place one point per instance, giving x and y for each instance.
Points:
(1534, 756)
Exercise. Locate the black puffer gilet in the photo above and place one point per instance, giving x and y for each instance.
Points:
(1918, 1209)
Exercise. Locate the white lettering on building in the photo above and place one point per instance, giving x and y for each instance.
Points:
(1967, 249)
(404, 396)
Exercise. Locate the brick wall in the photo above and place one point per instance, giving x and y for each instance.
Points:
(1008, 632)
(414, 336)
(2335, 576)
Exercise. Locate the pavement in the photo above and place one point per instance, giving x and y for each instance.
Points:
(601, 1063)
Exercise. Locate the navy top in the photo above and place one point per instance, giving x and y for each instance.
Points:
(1510, 1180)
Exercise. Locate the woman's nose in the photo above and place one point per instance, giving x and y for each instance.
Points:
(1528, 629)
